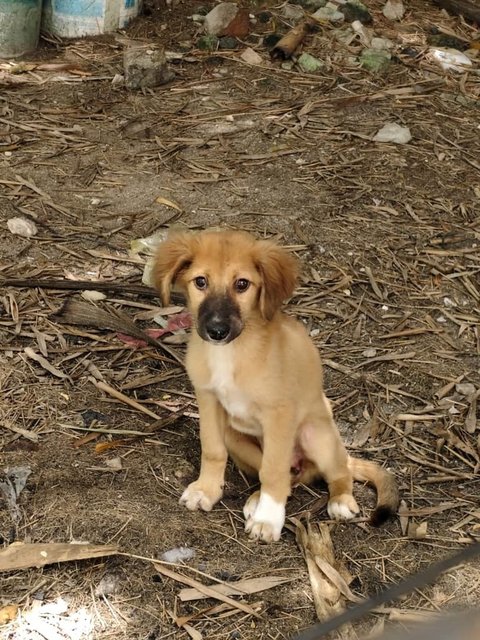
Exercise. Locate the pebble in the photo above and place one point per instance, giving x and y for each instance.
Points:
(374, 60)
(144, 69)
(393, 10)
(356, 10)
(108, 585)
(293, 12)
(382, 44)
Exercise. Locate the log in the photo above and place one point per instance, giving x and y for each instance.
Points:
(469, 9)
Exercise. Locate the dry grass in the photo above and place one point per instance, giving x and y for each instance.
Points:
(389, 238)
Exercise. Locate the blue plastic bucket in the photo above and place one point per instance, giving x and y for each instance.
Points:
(19, 26)
(77, 18)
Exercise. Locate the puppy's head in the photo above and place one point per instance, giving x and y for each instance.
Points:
(229, 279)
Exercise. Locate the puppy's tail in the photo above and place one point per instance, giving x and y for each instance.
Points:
(385, 485)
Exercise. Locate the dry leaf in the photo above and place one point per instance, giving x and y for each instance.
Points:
(471, 419)
(192, 632)
(207, 590)
(242, 587)
(168, 203)
(43, 362)
(402, 513)
(250, 56)
(417, 531)
(8, 613)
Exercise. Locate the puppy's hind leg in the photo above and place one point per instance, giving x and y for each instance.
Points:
(322, 445)
(244, 451)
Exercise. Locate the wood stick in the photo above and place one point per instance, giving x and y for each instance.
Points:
(123, 398)
(85, 285)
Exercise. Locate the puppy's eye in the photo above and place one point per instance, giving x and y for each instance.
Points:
(200, 282)
(241, 285)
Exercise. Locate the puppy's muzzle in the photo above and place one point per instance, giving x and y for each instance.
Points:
(219, 320)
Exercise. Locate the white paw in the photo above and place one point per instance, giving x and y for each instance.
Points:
(265, 522)
(343, 508)
(194, 498)
(251, 505)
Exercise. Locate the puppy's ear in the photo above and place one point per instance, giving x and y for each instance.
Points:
(279, 271)
(172, 257)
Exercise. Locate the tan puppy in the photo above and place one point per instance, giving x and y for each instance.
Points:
(258, 381)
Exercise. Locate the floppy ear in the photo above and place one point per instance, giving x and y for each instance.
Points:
(279, 271)
(172, 257)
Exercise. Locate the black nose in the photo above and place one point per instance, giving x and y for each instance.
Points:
(217, 330)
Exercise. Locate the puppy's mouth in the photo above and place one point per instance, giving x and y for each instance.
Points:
(219, 320)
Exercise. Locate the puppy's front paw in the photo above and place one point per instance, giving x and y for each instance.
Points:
(251, 505)
(198, 496)
(342, 507)
(265, 517)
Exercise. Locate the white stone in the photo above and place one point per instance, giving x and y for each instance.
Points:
(250, 56)
(392, 132)
(451, 59)
(22, 227)
(465, 388)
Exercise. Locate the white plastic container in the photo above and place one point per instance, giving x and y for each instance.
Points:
(19, 26)
(77, 18)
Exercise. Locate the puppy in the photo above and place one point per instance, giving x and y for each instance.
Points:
(258, 381)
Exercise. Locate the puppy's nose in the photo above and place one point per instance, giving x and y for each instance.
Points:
(217, 330)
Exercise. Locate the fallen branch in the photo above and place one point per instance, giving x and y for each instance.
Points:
(469, 9)
(20, 555)
(80, 285)
(86, 314)
(415, 581)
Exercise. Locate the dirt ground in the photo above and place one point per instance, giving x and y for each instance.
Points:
(388, 236)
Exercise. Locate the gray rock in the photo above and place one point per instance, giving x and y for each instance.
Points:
(329, 14)
(293, 12)
(227, 42)
(465, 388)
(218, 19)
(145, 68)
(382, 44)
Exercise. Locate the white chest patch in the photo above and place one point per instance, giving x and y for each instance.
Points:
(221, 363)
